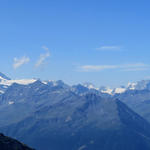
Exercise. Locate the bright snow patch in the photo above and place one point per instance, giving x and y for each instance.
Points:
(120, 90)
(132, 86)
(11, 102)
(22, 81)
(90, 86)
(107, 91)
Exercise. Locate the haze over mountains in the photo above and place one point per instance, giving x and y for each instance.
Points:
(51, 115)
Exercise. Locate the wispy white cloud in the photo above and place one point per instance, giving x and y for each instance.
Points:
(124, 67)
(43, 57)
(88, 68)
(18, 62)
(109, 48)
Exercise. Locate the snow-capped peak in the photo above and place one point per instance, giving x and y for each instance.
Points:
(112, 91)
(106, 90)
(140, 85)
(21, 81)
(132, 86)
(90, 86)
(119, 90)
(5, 82)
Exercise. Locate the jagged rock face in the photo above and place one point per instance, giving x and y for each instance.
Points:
(7, 143)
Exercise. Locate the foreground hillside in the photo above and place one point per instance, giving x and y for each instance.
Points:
(7, 143)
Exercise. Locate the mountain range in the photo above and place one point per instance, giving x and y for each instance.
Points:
(51, 115)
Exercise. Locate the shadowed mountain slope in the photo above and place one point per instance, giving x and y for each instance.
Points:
(82, 123)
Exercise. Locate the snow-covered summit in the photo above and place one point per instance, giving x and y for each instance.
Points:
(21, 81)
(112, 91)
(106, 90)
(90, 86)
(5, 82)
(140, 85)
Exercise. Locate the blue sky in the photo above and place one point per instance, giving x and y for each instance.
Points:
(105, 42)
